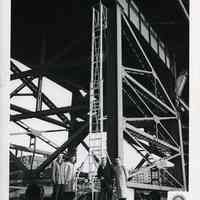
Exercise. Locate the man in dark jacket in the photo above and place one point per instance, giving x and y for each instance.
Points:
(105, 174)
(34, 192)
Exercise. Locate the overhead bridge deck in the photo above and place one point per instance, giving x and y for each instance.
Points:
(145, 49)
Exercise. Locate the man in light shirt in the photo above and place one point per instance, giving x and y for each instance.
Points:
(57, 178)
(63, 178)
(68, 177)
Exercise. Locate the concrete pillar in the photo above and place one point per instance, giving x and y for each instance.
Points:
(4, 95)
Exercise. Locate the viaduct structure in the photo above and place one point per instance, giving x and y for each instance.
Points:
(144, 75)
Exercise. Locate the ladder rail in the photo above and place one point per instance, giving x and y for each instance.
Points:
(96, 142)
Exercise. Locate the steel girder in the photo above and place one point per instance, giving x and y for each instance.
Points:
(114, 108)
(172, 145)
(43, 113)
(146, 91)
(118, 122)
(34, 89)
(48, 119)
(75, 139)
(27, 149)
(18, 89)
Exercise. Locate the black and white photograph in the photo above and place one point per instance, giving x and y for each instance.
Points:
(95, 98)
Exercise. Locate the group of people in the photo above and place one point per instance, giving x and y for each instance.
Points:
(64, 180)
(63, 177)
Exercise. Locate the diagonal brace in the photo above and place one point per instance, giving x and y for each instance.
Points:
(76, 138)
(34, 89)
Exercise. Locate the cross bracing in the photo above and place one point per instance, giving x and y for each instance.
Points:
(153, 108)
(149, 120)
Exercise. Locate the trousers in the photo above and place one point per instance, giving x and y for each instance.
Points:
(68, 195)
(58, 190)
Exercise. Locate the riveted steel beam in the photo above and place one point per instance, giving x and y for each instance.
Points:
(39, 114)
(75, 139)
(47, 119)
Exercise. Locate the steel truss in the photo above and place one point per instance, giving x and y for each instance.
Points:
(68, 125)
(148, 128)
(139, 111)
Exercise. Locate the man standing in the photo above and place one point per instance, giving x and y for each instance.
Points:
(68, 178)
(34, 192)
(121, 179)
(56, 178)
(105, 174)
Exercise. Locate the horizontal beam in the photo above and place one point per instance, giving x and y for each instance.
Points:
(39, 135)
(75, 139)
(152, 187)
(43, 113)
(24, 74)
(155, 118)
(47, 119)
(30, 150)
(20, 181)
(24, 94)
(45, 131)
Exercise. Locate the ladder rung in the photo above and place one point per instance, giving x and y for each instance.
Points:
(98, 148)
(94, 139)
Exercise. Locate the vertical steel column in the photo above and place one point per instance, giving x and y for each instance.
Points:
(182, 153)
(33, 138)
(4, 99)
(114, 84)
(101, 69)
(32, 145)
(39, 91)
(74, 124)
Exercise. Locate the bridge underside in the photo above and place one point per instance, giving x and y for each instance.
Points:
(54, 41)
